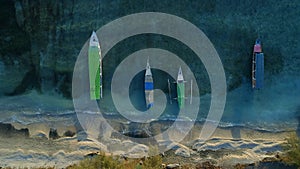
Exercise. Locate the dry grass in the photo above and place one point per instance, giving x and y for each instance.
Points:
(292, 150)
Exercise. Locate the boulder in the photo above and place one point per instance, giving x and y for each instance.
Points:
(173, 166)
(183, 152)
(138, 151)
(53, 134)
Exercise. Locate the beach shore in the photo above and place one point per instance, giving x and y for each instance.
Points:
(35, 145)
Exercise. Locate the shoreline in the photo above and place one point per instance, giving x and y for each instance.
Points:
(226, 147)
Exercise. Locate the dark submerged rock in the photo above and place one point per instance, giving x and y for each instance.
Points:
(53, 134)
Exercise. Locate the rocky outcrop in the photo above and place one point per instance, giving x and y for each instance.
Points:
(8, 130)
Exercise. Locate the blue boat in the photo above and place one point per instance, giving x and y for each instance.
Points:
(257, 66)
(149, 87)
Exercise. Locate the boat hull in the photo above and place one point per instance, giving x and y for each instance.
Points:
(180, 94)
(180, 89)
(149, 86)
(257, 66)
(259, 71)
(149, 93)
(95, 70)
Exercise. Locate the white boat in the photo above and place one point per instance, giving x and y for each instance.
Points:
(149, 87)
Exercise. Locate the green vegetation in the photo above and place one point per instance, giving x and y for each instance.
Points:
(153, 162)
(292, 150)
(30, 168)
(99, 161)
(112, 162)
(115, 162)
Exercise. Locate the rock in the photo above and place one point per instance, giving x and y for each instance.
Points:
(173, 166)
(128, 143)
(138, 151)
(198, 145)
(41, 135)
(270, 159)
(175, 146)
(114, 141)
(69, 133)
(180, 149)
(137, 134)
(92, 146)
(193, 152)
(53, 134)
(9, 130)
(81, 136)
(207, 165)
(183, 152)
(91, 155)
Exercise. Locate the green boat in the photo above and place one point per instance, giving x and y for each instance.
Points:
(180, 89)
(95, 68)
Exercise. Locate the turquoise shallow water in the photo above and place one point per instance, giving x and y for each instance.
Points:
(273, 108)
(276, 106)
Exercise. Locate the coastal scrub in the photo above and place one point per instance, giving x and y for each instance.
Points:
(292, 150)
